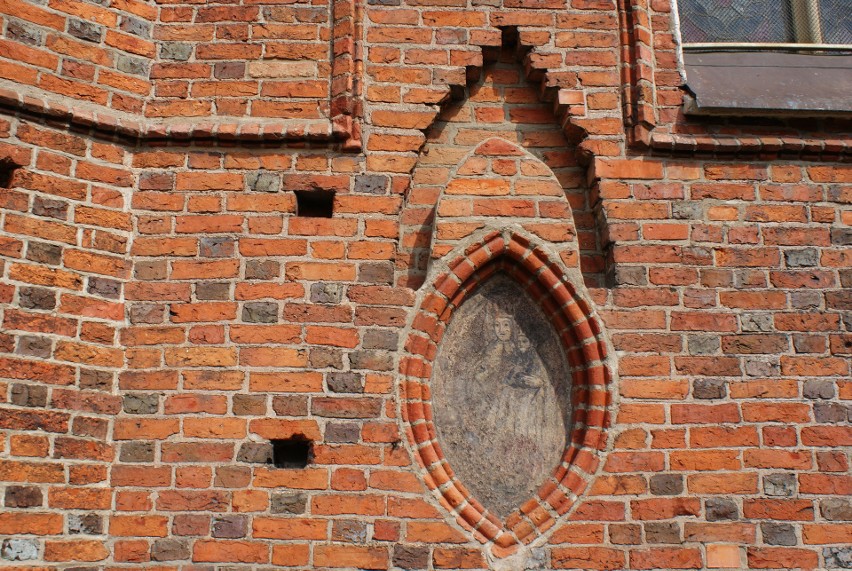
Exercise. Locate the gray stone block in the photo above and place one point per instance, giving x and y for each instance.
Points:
(176, 51)
(779, 485)
(778, 533)
(19, 549)
(260, 181)
(260, 312)
(721, 509)
(288, 503)
(140, 403)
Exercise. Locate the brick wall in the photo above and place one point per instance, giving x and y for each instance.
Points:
(166, 311)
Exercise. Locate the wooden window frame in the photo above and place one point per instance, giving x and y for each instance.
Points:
(807, 78)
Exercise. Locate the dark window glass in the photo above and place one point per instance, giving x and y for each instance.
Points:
(764, 21)
(836, 21)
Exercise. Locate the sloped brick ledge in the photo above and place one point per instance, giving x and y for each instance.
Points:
(343, 127)
(642, 106)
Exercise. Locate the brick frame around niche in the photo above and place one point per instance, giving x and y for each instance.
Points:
(585, 348)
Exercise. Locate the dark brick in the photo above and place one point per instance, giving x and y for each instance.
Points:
(44, 253)
(376, 273)
(709, 389)
(841, 300)
(342, 432)
(372, 360)
(625, 534)
(325, 357)
(22, 497)
(841, 236)
(104, 287)
(662, 532)
(136, 451)
(89, 426)
(34, 346)
(410, 557)
(133, 65)
(29, 395)
(97, 380)
(326, 293)
(719, 509)
(176, 51)
(380, 339)
(170, 550)
(778, 533)
(212, 291)
(807, 299)
(24, 33)
(818, 389)
(804, 343)
(87, 31)
(452, 36)
(148, 313)
(287, 503)
(262, 270)
(191, 524)
(338, 407)
(50, 208)
(260, 312)
(255, 453)
(37, 298)
(216, 247)
(779, 485)
(703, 344)
(804, 258)
(371, 183)
(290, 405)
(139, 403)
(230, 526)
(349, 531)
(830, 412)
(762, 367)
(345, 382)
(136, 26)
(151, 270)
(229, 70)
(836, 509)
(666, 484)
(629, 276)
(249, 405)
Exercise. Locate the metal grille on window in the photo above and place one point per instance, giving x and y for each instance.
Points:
(836, 21)
(819, 22)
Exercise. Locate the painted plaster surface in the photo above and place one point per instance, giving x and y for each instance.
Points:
(500, 393)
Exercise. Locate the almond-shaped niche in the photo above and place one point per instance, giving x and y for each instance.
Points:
(505, 389)
(501, 395)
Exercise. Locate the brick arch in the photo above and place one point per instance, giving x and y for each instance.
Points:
(530, 127)
(518, 255)
(499, 180)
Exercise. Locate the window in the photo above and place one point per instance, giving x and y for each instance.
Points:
(767, 57)
(820, 24)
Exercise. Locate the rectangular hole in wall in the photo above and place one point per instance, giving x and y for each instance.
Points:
(295, 452)
(315, 203)
(7, 172)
